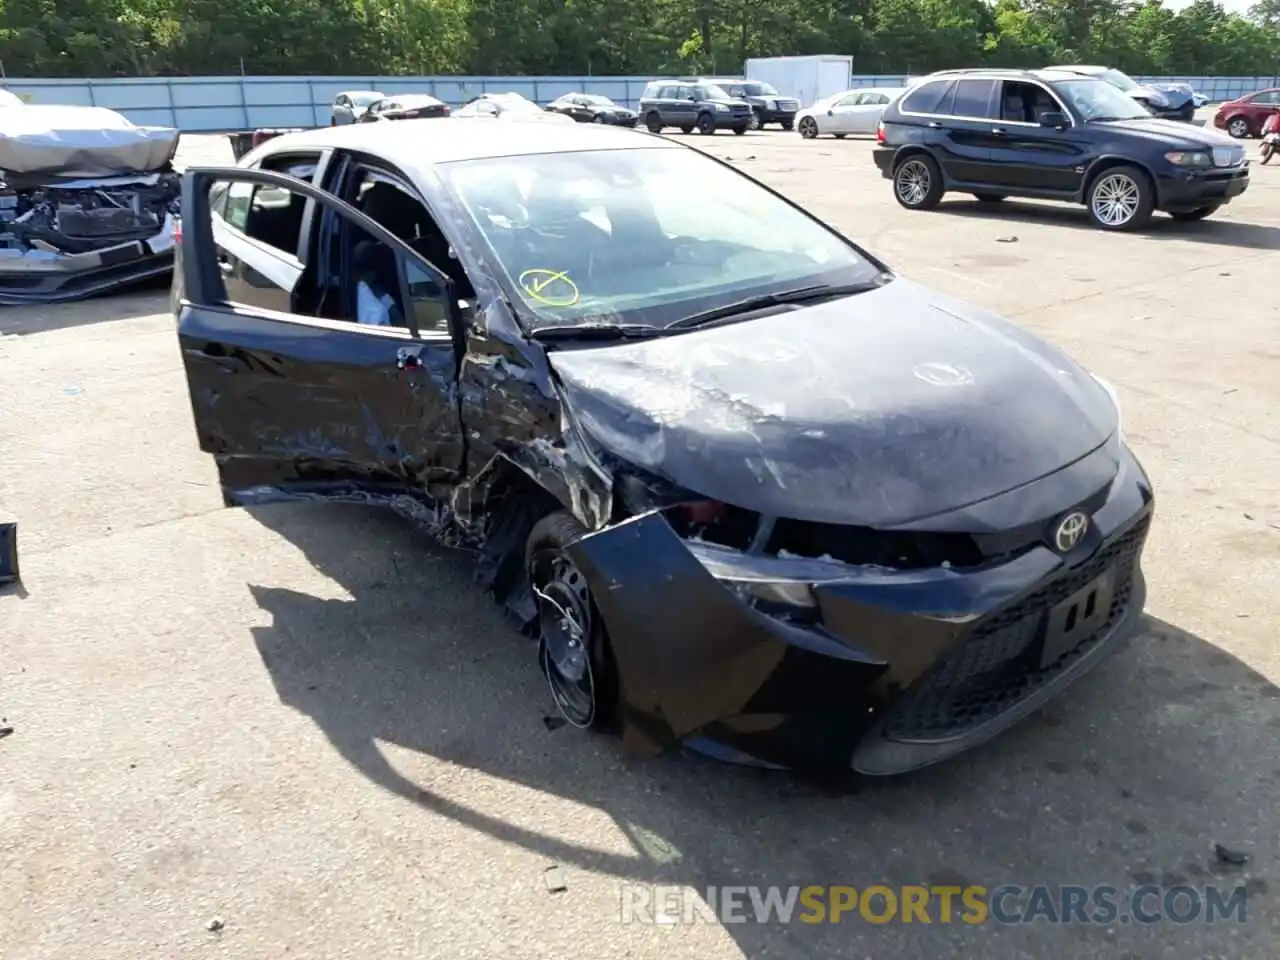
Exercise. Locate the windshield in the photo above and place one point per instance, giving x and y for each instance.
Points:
(1099, 100)
(1121, 81)
(364, 99)
(755, 89)
(709, 91)
(623, 236)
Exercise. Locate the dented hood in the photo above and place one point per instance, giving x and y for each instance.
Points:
(79, 142)
(875, 410)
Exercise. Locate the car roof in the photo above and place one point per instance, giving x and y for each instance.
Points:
(1047, 75)
(416, 144)
(1081, 68)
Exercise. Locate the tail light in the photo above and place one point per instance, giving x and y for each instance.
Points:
(177, 232)
(880, 133)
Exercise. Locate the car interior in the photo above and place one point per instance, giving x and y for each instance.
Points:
(1026, 103)
(343, 255)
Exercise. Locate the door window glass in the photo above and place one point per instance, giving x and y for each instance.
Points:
(927, 97)
(972, 98)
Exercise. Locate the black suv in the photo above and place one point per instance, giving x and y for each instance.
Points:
(692, 104)
(1055, 136)
(767, 105)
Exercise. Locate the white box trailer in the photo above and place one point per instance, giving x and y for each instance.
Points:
(806, 78)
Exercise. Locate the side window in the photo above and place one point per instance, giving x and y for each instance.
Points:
(1022, 102)
(1270, 98)
(927, 97)
(972, 98)
(878, 99)
(427, 304)
(342, 101)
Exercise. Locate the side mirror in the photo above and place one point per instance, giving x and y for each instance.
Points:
(1055, 118)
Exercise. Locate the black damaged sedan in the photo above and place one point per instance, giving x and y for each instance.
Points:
(747, 489)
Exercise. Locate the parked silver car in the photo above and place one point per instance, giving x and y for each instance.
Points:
(349, 106)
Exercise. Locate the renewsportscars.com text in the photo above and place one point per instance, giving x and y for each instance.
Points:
(971, 905)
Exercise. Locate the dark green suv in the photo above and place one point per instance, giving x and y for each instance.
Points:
(690, 106)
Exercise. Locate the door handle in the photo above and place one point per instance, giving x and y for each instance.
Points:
(935, 124)
(998, 131)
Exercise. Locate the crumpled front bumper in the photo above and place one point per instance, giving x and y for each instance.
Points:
(883, 672)
(39, 276)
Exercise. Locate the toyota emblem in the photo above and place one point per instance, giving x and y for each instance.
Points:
(1070, 532)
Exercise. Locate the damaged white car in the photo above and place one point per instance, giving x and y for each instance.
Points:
(88, 202)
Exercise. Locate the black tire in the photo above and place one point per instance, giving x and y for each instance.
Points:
(788, 124)
(653, 122)
(739, 131)
(1267, 153)
(597, 119)
(755, 123)
(574, 655)
(1239, 127)
(990, 197)
(1120, 198)
(686, 129)
(917, 182)
(839, 136)
(809, 128)
(706, 124)
(1191, 216)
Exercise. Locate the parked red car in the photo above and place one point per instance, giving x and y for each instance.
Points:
(1244, 116)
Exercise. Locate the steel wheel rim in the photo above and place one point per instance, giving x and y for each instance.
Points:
(1115, 199)
(913, 182)
(565, 629)
(809, 128)
(754, 122)
(1238, 127)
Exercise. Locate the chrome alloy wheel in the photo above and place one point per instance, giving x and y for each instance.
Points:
(1115, 199)
(912, 182)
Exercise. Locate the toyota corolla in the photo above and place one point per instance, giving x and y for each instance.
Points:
(745, 487)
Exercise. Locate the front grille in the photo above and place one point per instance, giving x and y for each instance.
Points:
(1228, 156)
(995, 667)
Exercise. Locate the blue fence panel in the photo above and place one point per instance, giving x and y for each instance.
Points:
(209, 104)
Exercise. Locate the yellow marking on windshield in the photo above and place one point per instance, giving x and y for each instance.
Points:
(552, 287)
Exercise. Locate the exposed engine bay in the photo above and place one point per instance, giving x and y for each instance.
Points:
(79, 216)
(88, 202)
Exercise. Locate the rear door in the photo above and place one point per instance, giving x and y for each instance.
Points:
(293, 396)
(842, 114)
(961, 129)
(866, 112)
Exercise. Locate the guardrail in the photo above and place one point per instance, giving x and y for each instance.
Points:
(211, 104)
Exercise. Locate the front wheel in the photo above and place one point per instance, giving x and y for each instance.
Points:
(1238, 127)
(1267, 152)
(653, 123)
(1120, 198)
(573, 648)
(754, 123)
(1191, 216)
(788, 124)
(808, 128)
(917, 183)
(706, 124)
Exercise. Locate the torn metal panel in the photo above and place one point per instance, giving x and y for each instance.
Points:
(68, 141)
(9, 572)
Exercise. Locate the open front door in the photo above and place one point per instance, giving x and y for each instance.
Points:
(291, 392)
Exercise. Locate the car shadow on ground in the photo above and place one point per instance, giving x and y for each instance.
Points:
(144, 300)
(1130, 778)
(1226, 233)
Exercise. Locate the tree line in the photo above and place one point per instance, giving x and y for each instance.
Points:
(104, 38)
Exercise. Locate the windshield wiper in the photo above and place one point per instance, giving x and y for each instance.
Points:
(595, 331)
(819, 291)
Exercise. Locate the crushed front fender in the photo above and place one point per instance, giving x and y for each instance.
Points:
(690, 654)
